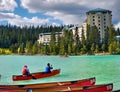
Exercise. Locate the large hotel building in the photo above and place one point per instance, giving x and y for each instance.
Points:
(101, 18)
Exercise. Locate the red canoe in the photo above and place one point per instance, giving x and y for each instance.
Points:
(35, 75)
(94, 88)
(83, 82)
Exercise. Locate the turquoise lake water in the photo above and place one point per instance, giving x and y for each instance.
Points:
(106, 69)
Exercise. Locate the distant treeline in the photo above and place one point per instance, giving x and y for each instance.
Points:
(23, 40)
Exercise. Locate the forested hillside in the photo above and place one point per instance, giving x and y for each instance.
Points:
(23, 40)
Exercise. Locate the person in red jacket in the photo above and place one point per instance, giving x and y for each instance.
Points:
(25, 70)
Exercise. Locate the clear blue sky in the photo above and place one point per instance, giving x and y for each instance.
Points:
(53, 12)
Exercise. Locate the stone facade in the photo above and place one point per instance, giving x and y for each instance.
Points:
(101, 18)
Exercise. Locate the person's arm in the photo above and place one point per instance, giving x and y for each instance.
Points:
(51, 67)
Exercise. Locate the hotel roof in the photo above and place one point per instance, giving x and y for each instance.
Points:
(99, 10)
(50, 33)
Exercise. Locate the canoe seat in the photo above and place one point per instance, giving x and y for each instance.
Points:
(74, 82)
(21, 86)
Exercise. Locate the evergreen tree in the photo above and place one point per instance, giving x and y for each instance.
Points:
(103, 47)
(77, 44)
(21, 48)
(96, 48)
(117, 49)
(83, 37)
(111, 35)
(83, 49)
(35, 48)
(52, 43)
(28, 48)
(118, 31)
(88, 41)
(110, 49)
(71, 42)
(93, 48)
(18, 50)
(94, 35)
(62, 46)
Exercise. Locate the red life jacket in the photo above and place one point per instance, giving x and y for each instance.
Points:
(24, 72)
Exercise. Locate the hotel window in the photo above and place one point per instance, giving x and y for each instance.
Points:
(41, 35)
(98, 20)
(104, 23)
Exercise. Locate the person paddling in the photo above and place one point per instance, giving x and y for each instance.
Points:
(48, 68)
(25, 70)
